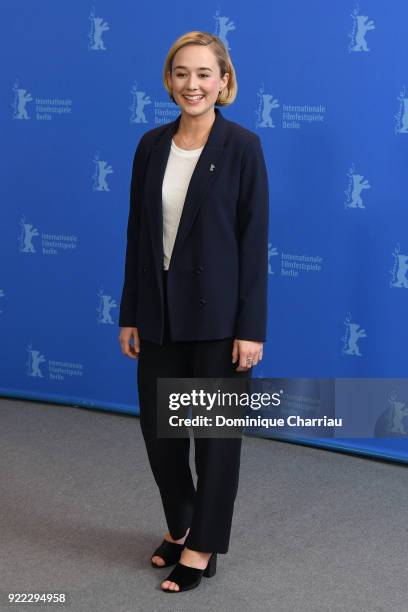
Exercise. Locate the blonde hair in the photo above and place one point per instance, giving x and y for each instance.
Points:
(229, 93)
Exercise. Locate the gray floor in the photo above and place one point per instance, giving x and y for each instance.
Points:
(313, 530)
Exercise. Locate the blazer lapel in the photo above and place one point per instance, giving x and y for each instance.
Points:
(205, 172)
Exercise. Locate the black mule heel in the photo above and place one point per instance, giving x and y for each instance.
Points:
(211, 568)
(189, 578)
(170, 552)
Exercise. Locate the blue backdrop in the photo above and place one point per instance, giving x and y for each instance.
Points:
(327, 92)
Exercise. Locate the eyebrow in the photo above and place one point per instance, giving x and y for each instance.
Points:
(185, 68)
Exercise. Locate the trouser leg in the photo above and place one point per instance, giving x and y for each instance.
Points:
(217, 460)
(168, 457)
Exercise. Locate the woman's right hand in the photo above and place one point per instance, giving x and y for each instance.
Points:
(126, 335)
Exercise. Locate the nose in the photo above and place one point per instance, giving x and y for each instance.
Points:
(192, 82)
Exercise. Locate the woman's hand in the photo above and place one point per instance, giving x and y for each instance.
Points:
(248, 352)
(126, 335)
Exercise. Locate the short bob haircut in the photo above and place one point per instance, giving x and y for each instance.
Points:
(228, 94)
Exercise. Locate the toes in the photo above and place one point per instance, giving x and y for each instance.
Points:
(158, 560)
(173, 586)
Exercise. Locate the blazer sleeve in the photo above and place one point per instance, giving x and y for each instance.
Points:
(253, 223)
(128, 316)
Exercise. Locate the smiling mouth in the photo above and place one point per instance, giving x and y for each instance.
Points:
(194, 98)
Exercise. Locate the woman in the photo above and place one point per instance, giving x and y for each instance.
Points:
(194, 301)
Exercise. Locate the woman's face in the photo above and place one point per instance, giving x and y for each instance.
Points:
(196, 73)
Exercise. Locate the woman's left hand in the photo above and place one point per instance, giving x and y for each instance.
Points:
(248, 352)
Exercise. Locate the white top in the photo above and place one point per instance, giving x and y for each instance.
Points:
(180, 167)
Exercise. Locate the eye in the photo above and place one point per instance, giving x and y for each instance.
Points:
(181, 74)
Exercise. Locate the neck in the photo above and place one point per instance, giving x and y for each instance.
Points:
(194, 127)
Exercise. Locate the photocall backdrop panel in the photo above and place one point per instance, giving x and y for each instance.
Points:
(325, 88)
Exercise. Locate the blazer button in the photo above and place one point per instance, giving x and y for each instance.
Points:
(202, 301)
(145, 269)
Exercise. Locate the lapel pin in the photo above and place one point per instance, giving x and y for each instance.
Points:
(212, 167)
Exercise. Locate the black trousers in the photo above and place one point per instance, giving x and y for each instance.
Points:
(208, 509)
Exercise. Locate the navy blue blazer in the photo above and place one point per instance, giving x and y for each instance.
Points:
(218, 272)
